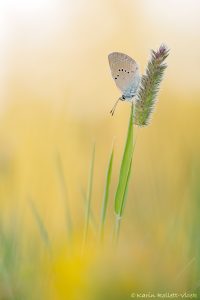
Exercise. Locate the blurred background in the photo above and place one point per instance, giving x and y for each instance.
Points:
(55, 97)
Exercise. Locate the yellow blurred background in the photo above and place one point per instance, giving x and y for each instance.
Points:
(56, 94)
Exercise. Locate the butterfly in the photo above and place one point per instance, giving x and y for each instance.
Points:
(125, 72)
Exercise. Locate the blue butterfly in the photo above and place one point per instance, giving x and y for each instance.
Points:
(125, 72)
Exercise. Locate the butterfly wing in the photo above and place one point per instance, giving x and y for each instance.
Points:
(125, 72)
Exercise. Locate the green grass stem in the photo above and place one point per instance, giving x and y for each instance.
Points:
(124, 177)
(41, 226)
(88, 198)
(68, 219)
(106, 196)
(93, 221)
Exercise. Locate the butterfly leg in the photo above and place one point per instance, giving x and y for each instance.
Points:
(114, 107)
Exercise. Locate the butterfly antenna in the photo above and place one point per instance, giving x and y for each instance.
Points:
(114, 107)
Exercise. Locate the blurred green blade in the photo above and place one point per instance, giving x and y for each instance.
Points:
(106, 194)
(61, 175)
(88, 199)
(125, 168)
(42, 229)
(126, 188)
(92, 220)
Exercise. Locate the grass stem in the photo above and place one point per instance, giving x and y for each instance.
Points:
(88, 200)
(124, 177)
(62, 180)
(106, 197)
(116, 230)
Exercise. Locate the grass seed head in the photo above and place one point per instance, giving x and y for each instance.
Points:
(149, 86)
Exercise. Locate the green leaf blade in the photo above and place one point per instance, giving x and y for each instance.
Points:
(125, 169)
(40, 224)
(106, 195)
(61, 175)
(88, 198)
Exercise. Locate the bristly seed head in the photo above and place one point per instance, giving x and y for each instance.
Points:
(149, 86)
